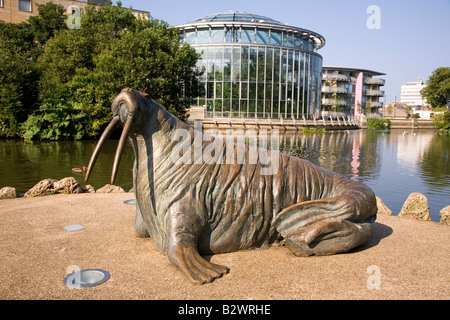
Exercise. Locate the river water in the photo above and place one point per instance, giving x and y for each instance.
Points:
(394, 164)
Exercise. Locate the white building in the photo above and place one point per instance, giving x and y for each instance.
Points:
(410, 94)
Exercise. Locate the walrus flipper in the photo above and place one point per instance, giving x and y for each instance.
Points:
(184, 231)
(322, 227)
(183, 253)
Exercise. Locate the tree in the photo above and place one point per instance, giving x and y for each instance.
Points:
(368, 108)
(18, 77)
(113, 50)
(389, 109)
(20, 46)
(152, 61)
(437, 89)
(50, 19)
(53, 75)
(441, 121)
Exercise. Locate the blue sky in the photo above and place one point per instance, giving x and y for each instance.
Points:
(412, 41)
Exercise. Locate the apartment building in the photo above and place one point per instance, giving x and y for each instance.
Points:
(410, 94)
(347, 91)
(17, 11)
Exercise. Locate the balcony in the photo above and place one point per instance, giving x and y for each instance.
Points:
(374, 104)
(335, 77)
(374, 81)
(334, 90)
(375, 93)
(332, 102)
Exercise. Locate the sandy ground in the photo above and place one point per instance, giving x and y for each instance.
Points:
(403, 259)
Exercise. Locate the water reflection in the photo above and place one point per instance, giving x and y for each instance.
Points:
(435, 164)
(351, 153)
(393, 164)
(23, 164)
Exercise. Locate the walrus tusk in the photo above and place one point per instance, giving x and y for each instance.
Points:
(119, 151)
(108, 131)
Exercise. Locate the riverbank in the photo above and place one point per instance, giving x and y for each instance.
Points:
(403, 259)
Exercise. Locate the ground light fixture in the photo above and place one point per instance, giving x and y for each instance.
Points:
(86, 278)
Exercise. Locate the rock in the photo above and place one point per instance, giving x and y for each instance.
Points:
(445, 215)
(8, 193)
(51, 186)
(416, 207)
(382, 208)
(109, 188)
(42, 188)
(88, 189)
(67, 186)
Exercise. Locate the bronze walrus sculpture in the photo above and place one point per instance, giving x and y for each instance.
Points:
(193, 208)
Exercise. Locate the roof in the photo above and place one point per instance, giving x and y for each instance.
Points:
(236, 17)
(250, 19)
(340, 68)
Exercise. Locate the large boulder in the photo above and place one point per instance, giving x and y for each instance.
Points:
(51, 186)
(109, 188)
(382, 208)
(8, 193)
(88, 189)
(67, 186)
(445, 215)
(42, 188)
(416, 207)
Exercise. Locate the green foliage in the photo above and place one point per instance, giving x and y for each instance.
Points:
(307, 130)
(368, 107)
(437, 89)
(49, 73)
(378, 124)
(115, 50)
(441, 121)
(20, 46)
(50, 19)
(56, 121)
(18, 77)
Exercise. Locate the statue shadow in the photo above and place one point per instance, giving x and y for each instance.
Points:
(379, 232)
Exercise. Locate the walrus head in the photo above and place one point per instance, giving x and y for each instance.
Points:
(125, 108)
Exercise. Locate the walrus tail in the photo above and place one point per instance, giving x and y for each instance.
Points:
(329, 225)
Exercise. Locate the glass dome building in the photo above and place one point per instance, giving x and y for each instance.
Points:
(256, 67)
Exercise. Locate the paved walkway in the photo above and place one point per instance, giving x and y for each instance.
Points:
(403, 259)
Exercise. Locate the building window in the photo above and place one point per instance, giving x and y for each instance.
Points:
(25, 5)
(1, 3)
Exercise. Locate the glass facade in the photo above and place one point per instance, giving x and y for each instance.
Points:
(256, 67)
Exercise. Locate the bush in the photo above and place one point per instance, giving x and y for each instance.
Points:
(441, 121)
(378, 124)
(56, 121)
(307, 130)
(43, 63)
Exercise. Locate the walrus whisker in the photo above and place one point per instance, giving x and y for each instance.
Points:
(105, 136)
(119, 151)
